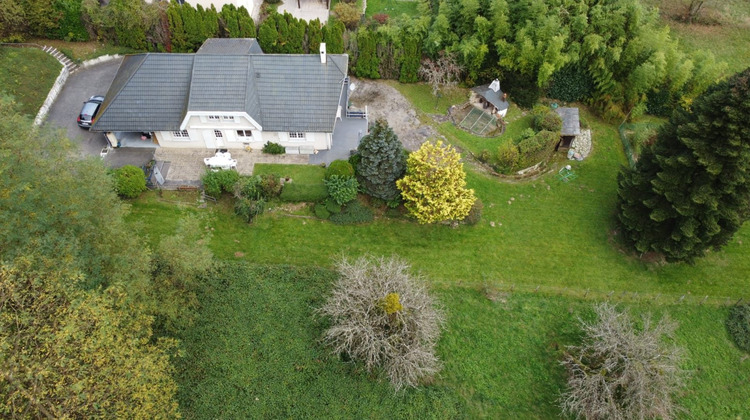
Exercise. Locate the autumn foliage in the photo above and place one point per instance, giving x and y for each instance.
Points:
(434, 188)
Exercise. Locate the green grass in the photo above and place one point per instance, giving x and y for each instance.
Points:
(421, 97)
(392, 8)
(305, 174)
(255, 353)
(27, 74)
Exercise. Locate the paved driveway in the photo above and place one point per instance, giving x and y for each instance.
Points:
(81, 85)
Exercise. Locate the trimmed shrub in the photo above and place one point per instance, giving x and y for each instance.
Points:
(348, 14)
(340, 168)
(311, 193)
(383, 317)
(248, 208)
(272, 148)
(214, 182)
(621, 371)
(353, 213)
(738, 326)
(321, 211)
(332, 206)
(507, 156)
(549, 122)
(130, 181)
(342, 189)
(475, 214)
(484, 156)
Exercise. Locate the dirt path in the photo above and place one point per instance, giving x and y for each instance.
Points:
(383, 101)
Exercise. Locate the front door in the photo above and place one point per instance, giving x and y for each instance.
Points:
(208, 137)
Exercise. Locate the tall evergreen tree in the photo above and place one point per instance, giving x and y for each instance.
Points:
(367, 62)
(247, 25)
(268, 36)
(333, 34)
(410, 59)
(314, 36)
(382, 162)
(690, 191)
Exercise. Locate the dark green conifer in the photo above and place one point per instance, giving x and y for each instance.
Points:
(382, 162)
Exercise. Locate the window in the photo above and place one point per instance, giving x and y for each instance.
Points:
(227, 118)
(244, 133)
(181, 134)
(213, 118)
(296, 135)
(218, 134)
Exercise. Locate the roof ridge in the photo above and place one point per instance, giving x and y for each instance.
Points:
(122, 87)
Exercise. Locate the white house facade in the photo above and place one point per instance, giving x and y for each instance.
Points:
(228, 95)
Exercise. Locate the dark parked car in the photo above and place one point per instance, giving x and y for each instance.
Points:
(89, 110)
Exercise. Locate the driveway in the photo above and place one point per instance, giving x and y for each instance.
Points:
(81, 85)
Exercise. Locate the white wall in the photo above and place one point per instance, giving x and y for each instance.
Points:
(204, 138)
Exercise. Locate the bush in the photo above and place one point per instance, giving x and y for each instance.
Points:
(354, 161)
(342, 189)
(475, 214)
(332, 206)
(246, 187)
(738, 326)
(507, 156)
(383, 317)
(550, 121)
(381, 18)
(270, 186)
(484, 156)
(273, 148)
(311, 193)
(248, 208)
(321, 211)
(341, 168)
(621, 372)
(348, 14)
(130, 181)
(214, 182)
(353, 213)
(538, 148)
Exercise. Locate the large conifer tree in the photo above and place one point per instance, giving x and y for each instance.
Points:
(690, 191)
(382, 162)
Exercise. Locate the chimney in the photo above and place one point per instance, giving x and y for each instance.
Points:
(323, 52)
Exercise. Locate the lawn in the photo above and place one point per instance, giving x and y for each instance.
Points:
(27, 74)
(255, 353)
(725, 31)
(392, 8)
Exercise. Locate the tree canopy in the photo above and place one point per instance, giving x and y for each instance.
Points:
(690, 190)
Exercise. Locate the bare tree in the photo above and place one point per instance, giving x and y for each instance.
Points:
(444, 71)
(693, 9)
(622, 372)
(383, 316)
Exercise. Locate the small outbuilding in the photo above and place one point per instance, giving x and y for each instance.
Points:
(492, 97)
(571, 126)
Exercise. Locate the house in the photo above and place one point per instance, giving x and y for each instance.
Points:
(490, 96)
(229, 95)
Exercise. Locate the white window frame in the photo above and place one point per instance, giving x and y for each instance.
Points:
(181, 135)
(227, 118)
(297, 136)
(218, 134)
(214, 118)
(244, 134)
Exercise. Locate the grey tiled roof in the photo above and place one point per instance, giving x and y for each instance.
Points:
(148, 94)
(219, 83)
(571, 121)
(282, 92)
(230, 46)
(495, 98)
(297, 92)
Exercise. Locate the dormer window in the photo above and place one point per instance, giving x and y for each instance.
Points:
(296, 135)
(214, 118)
(227, 118)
